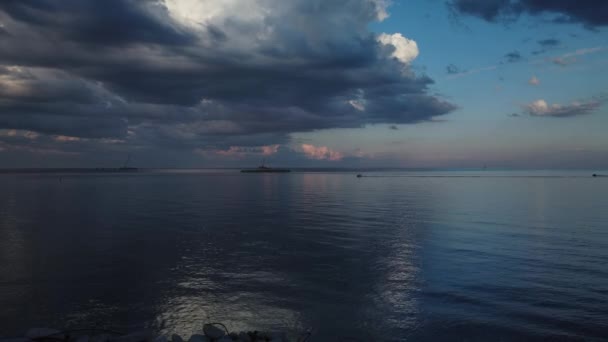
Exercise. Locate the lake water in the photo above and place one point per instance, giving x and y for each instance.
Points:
(420, 256)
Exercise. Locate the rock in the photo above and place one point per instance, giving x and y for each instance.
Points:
(176, 338)
(244, 337)
(198, 338)
(101, 338)
(44, 332)
(213, 332)
(264, 336)
(140, 336)
(225, 339)
(16, 339)
(278, 337)
(83, 338)
(234, 336)
(161, 339)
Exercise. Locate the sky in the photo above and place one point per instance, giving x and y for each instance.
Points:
(304, 83)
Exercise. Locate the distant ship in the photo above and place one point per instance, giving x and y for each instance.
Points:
(265, 169)
(125, 167)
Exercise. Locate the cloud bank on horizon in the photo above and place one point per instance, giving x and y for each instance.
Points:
(203, 74)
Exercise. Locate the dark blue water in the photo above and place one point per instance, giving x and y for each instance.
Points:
(424, 256)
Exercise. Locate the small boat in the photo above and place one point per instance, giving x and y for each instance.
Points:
(128, 169)
(265, 169)
(116, 169)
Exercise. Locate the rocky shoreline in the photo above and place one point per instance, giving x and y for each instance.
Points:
(213, 332)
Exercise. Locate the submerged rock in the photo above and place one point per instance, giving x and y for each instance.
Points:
(213, 332)
(44, 332)
(264, 335)
(198, 338)
(278, 337)
(140, 336)
(16, 339)
(83, 338)
(244, 337)
(101, 338)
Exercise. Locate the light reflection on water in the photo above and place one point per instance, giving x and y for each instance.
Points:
(425, 258)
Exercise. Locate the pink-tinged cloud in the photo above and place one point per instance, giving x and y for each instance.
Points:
(321, 153)
(65, 138)
(233, 151)
(19, 133)
(47, 151)
(242, 151)
(270, 149)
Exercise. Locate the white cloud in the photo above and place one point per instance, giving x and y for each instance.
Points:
(381, 9)
(538, 107)
(406, 50)
(201, 12)
(534, 81)
(582, 52)
(357, 104)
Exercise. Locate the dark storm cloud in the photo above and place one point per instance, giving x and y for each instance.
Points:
(486, 9)
(92, 127)
(589, 12)
(126, 69)
(98, 22)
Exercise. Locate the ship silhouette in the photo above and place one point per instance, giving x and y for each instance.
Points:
(265, 169)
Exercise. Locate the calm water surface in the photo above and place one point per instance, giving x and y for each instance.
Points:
(420, 256)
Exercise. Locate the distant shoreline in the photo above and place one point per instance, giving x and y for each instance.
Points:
(364, 173)
(368, 169)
